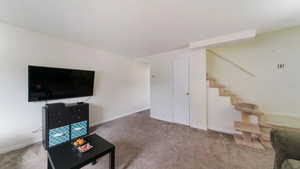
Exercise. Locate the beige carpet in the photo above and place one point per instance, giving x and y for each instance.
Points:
(145, 143)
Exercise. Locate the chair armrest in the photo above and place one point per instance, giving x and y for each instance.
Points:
(286, 143)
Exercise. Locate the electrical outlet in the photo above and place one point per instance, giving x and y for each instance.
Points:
(36, 130)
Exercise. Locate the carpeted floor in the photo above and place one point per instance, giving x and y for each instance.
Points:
(145, 143)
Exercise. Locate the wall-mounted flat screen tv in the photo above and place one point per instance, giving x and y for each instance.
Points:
(46, 83)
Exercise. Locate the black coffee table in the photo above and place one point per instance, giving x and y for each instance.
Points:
(64, 156)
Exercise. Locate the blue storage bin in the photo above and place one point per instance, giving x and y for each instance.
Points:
(79, 129)
(59, 135)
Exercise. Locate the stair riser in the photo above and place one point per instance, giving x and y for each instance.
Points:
(234, 100)
(211, 82)
(225, 94)
(247, 127)
(265, 137)
(253, 143)
(214, 84)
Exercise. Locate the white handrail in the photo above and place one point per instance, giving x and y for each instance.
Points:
(232, 63)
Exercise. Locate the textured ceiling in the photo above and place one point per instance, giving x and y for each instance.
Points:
(146, 27)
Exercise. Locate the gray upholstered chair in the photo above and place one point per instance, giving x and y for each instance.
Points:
(287, 148)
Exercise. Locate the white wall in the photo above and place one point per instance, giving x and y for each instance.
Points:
(198, 89)
(221, 113)
(275, 91)
(121, 83)
(162, 86)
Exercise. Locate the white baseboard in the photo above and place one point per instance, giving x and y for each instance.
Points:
(117, 117)
(199, 127)
(170, 121)
(30, 142)
(162, 119)
(19, 146)
(226, 131)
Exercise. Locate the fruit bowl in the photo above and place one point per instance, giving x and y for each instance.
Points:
(79, 142)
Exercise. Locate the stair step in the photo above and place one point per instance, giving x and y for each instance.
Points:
(224, 92)
(210, 78)
(247, 127)
(235, 100)
(266, 144)
(253, 144)
(214, 84)
(265, 136)
(248, 108)
(249, 111)
(211, 83)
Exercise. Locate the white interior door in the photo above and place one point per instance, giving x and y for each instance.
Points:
(181, 91)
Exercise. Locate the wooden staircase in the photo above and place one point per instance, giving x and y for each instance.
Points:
(252, 135)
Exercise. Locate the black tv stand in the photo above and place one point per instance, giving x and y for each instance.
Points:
(63, 122)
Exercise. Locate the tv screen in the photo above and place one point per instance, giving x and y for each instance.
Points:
(47, 83)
